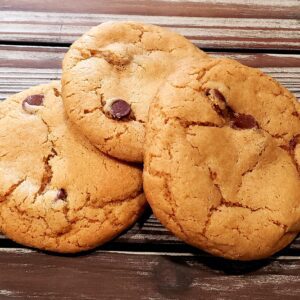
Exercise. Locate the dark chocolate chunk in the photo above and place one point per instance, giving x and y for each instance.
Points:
(61, 194)
(119, 109)
(34, 100)
(216, 93)
(243, 121)
(219, 104)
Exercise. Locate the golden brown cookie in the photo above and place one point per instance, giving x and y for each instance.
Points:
(222, 160)
(57, 191)
(110, 76)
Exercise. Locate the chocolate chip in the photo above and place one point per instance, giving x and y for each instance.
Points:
(243, 121)
(216, 93)
(61, 194)
(36, 100)
(31, 102)
(218, 102)
(119, 109)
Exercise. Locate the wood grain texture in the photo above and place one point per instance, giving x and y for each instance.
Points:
(102, 275)
(287, 9)
(206, 32)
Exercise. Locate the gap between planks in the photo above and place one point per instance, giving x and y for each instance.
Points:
(141, 253)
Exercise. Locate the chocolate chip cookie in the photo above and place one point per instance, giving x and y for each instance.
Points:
(110, 76)
(57, 191)
(222, 159)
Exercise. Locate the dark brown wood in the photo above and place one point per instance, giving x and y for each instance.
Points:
(104, 275)
(51, 25)
(202, 8)
(51, 57)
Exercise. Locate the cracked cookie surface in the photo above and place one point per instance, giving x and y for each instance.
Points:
(127, 61)
(221, 164)
(57, 191)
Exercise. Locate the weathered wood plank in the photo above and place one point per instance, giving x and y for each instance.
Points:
(206, 32)
(287, 9)
(25, 66)
(99, 275)
(50, 57)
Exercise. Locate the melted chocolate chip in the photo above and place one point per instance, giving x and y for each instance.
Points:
(119, 109)
(243, 121)
(216, 93)
(236, 120)
(61, 195)
(34, 100)
(218, 102)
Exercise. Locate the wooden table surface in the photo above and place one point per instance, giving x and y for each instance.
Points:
(147, 262)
